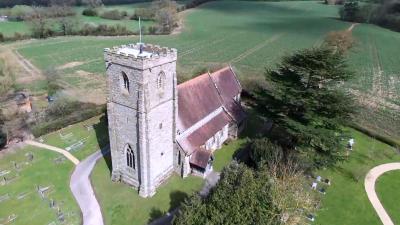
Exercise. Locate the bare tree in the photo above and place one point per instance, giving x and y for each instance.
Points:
(291, 194)
(93, 3)
(68, 25)
(166, 15)
(39, 23)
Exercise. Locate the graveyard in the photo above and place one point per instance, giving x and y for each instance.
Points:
(34, 188)
(35, 182)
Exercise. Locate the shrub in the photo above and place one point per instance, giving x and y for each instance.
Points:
(2, 37)
(152, 29)
(114, 14)
(264, 152)
(340, 41)
(20, 12)
(143, 13)
(89, 12)
(105, 30)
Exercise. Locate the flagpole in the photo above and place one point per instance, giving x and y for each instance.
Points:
(140, 31)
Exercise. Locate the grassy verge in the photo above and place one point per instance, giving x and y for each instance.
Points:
(387, 188)
(346, 201)
(122, 205)
(81, 139)
(24, 201)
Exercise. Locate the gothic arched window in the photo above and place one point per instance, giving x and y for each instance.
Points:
(130, 157)
(125, 82)
(161, 80)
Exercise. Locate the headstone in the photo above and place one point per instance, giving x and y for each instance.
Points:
(52, 203)
(30, 156)
(310, 217)
(22, 195)
(4, 172)
(314, 185)
(351, 143)
(4, 197)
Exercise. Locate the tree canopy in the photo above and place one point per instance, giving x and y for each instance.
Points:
(242, 196)
(306, 101)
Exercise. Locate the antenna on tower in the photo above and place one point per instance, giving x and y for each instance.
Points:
(140, 38)
(140, 31)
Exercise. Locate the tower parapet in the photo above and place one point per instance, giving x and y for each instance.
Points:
(139, 55)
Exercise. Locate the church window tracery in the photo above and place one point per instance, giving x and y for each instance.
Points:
(130, 157)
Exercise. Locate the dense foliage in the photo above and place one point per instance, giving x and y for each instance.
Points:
(114, 14)
(265, 153)
(89, 12)
(243, 196)
(305, 101)
(61, 113)
(385, 13)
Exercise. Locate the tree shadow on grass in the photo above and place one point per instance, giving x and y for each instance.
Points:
(176, 198)
(155, 214)
(101, 130)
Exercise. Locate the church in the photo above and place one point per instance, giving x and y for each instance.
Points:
(157, 127)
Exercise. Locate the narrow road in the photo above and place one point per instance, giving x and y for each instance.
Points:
(55, 149)
(83, 192)
(369, 183)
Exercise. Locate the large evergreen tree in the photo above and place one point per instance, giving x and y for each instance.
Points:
(306, 100)
(242, 196)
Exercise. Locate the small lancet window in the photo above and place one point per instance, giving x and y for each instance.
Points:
(161, 80)
(125, 83)
(130, 157)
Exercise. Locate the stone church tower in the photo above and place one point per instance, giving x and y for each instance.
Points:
(142, 114)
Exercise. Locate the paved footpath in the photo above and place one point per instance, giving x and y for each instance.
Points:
(83, 192)
(55, 149)
(369, 183)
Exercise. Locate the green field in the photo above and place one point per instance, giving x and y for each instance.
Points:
(47, 169)
(250, 36)
(346, 201)
(387, 188)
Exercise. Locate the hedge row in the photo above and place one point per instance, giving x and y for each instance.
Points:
(77, 116)
(382, 138)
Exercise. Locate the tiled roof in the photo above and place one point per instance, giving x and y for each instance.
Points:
(199, 137)
(228, 88)
(200, 158)
(199, 99)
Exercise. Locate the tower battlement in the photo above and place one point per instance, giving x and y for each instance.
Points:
(140, 55)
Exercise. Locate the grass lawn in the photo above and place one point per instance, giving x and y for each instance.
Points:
(24, 201)
(83, 138)
(387, 188)
(346, 202)
(224, 156)
(122, 205)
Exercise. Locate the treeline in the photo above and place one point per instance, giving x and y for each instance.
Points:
(11, 3)
(385, 13)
